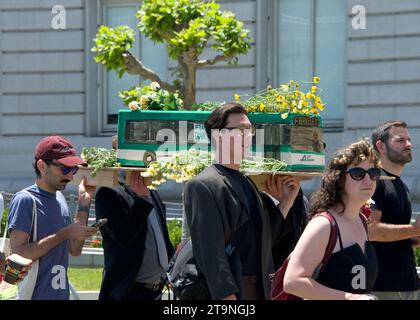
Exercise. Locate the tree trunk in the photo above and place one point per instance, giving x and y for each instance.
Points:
(188, 64)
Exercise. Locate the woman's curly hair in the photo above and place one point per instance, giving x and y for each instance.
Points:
(330, 195)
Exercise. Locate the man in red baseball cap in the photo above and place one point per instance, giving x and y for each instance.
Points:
(48, 240)
(56, 147)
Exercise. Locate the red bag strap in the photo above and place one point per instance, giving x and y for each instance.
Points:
(331, 242)
(364, 220)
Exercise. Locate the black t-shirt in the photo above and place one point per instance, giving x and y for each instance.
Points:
(249, 243)
(397, 266)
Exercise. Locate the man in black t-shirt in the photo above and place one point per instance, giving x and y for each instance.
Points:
(389, 226)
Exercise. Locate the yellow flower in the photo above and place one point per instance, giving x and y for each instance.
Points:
(133, 105)
(279, 99)
(262, 107)
(321, 107)
(237, 97)
(313, 89)
(284, 115)
(152, 171)
(314, 111)
(316, 79)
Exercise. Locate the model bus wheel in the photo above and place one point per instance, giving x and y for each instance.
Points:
(149, 156)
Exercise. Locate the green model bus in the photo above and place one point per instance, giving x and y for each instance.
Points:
(149, 135)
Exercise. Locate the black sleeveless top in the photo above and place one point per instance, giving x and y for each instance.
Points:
(350, 269)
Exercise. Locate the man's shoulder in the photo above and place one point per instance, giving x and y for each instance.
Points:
(23, 196)
(106, 191)
(208, 175)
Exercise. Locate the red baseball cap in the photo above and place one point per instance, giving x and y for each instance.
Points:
(56, 147)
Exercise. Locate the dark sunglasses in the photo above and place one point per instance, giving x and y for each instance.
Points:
(359, 173)
(64, 169)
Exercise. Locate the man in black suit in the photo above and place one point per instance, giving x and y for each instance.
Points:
(135, 240)
(224, 207)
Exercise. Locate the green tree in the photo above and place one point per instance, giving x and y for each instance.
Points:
(186, 27)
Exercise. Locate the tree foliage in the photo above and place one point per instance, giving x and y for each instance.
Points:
(111, 44)
(187, 27)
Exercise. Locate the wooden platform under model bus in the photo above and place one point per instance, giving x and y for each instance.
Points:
(106, 176)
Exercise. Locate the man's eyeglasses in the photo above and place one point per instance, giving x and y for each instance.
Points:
(358, 173)
(64, 169)
(243, 130)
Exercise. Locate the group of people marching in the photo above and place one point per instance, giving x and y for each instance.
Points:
(372, 258)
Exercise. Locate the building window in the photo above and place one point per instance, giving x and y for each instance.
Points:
(311, 41)
(153, 56)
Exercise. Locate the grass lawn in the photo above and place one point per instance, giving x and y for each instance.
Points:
(85, 279)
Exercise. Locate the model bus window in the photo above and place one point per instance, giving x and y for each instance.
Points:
(307, 138)
(164, 131)
(136, 132)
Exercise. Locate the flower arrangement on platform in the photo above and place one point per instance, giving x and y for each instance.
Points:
(185, 165)
(288, 98)
(180, 167)
(151, 97)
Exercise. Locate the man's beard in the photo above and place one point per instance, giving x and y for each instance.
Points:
(398, 157)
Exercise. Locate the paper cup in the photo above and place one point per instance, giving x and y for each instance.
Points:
(14, 268)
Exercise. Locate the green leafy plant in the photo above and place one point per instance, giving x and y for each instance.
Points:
(175, 231)
(262, 165)
(99, 158)
(151, 97)
(187, 27)
(133, 94)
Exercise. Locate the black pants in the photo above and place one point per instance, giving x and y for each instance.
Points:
(139, 292)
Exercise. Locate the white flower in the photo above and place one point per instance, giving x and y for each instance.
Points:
(134, 105)
(144, 100)
(155, 86)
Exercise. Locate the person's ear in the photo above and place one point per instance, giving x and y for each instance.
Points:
(42, 166)
(381, 146)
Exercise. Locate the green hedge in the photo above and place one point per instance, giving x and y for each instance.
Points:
(417, 256)
(3, 221)
(175, 231)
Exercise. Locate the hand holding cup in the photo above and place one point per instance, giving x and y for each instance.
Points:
(16, 268)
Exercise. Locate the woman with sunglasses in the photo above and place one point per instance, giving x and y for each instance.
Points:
(350, 272)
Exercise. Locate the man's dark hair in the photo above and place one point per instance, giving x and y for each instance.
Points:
(218, 118)
(37, 172)
(381, 132)
(35, 164)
